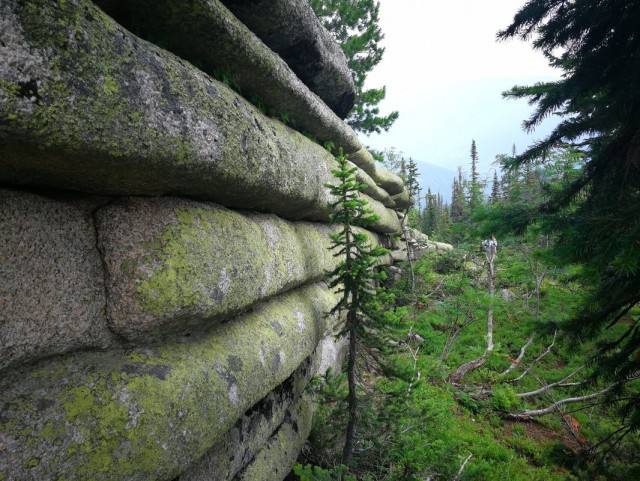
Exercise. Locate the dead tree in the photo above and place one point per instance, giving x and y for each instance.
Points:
(490, 247)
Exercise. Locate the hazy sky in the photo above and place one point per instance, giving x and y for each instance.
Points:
(444, 73)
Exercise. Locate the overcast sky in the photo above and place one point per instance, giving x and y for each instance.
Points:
(444, 73)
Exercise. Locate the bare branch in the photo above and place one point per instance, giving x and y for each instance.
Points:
(516, 363)
(560, 383)
(462, 371)
(457, 477)
(539, 358)
(540, 412)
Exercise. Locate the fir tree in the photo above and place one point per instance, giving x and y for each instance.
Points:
(355, 275)
(354, 25)
(495, 188)
(475, 187)
(595, 216)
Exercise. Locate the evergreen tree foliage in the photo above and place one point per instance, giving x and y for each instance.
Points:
(355, 275)
(458, 201)
(596, 214)
(495, 189)
(411, 180)
(354, 25)
(475, 187)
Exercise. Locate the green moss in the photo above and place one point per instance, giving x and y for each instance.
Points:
(141, 416)
(109, 86)
(196, 268)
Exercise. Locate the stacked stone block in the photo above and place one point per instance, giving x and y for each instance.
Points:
(163, 240)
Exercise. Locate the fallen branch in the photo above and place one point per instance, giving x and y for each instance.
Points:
(561, 383)
(548, 410)
(541, 412)
(539, 358)
(516, 363)
(457, 477)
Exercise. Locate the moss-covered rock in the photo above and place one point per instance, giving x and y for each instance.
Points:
(372, 189)
(291, 29)
(276, 459)
(206, 34)
(403, 200)
(85, 105)
(382, 177)
(52, 293)
(147, 414)
(176, 265)
(250, 433)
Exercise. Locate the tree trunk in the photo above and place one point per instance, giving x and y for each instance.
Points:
(352, 399)
(492, 290)
(462, 371)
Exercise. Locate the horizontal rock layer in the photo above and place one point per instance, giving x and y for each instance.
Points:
(85, 105)
(249, 434)
(382, 177)
(245, 441)
(83, 272)
(175, 265)
(291, 29)
(149, 413)
(206, 34)
(277, 457)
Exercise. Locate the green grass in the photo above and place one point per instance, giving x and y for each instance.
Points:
(414, 424)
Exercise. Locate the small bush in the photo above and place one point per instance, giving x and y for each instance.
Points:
(503, 398)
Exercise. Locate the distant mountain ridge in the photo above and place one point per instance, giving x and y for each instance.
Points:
(438, 179)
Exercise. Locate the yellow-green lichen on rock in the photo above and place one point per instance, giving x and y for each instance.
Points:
(208, 35)
(250, 433)
(85, 105)
(174, 265)
(277, 457)
(148, 413)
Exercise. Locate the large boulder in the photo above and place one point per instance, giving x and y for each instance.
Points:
(291, 29)
(240, 445)
(85, 105)
(147, 414)
(205, 33)
(389, 181)
(277, 457)
(52, 292)
(175, 265)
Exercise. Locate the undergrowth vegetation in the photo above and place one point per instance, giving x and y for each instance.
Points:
(416, 424)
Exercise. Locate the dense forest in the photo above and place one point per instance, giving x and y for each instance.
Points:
(517, 354)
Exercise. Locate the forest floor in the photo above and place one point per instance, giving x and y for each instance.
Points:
(415, 424)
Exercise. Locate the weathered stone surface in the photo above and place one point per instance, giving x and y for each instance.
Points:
(442, 246)
(507, 295)
(149, 413)
(290, 28)
(331, 352)
(388, 222)
(85, 105)
(372, 189)
(250, 433)
(388, 181)
(403, 200)
(175, 265)
(382, 177)
(52, 294)
(209, 36)
(276, 459)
